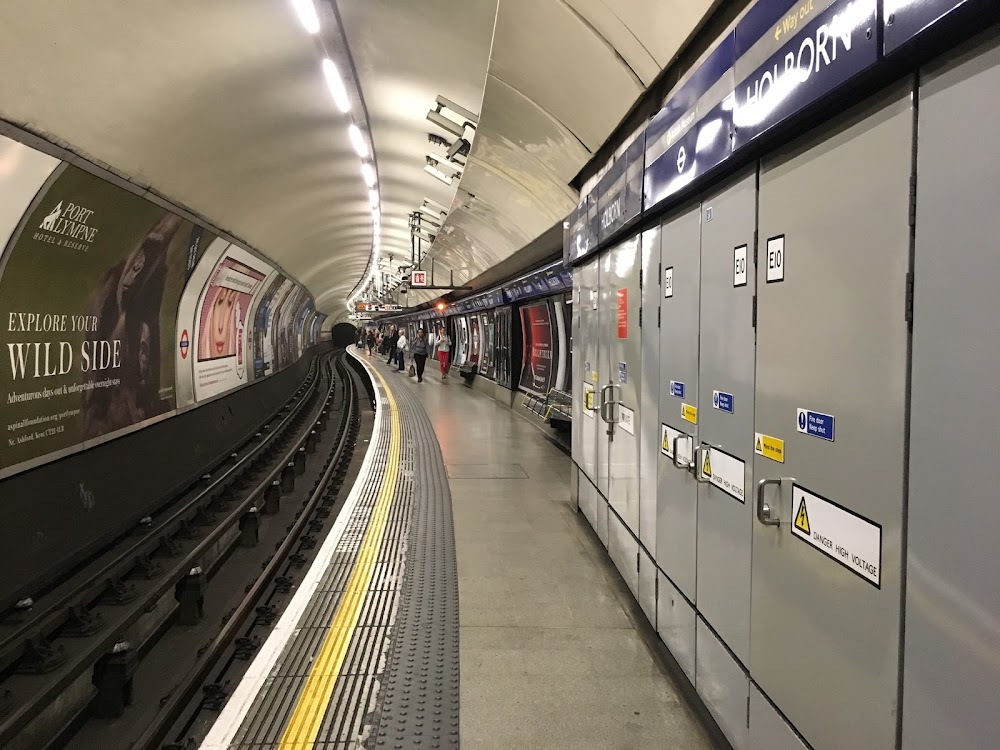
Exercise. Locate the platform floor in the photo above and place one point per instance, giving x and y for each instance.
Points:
(460, 600)
(549, 657)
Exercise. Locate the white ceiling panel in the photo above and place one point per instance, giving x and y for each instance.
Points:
(220, 106)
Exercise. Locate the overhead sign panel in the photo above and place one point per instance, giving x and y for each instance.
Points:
(619, 193)
(692, 133)
(418, 278)
(790, 55)
(905, 19)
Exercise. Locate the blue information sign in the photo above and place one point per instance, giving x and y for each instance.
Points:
(908, 19)
(677, 388)
(722, 401)
(816, 424)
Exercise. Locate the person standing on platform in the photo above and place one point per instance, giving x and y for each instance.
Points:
(402, 345)
(393, 339)
(370, 341)
(444, 350)
(419, 350)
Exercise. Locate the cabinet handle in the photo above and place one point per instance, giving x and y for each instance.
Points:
(764, 511)
(677, 453)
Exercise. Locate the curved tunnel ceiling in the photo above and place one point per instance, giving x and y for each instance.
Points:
(221, 107)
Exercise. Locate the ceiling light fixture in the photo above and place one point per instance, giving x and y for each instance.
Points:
(373, 198)
(368, 173)
(443, 162)
(436, 173)
(357, 140)
(306, 12)
(336, 85)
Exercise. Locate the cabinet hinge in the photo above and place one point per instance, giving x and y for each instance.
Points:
(640, 317)
(913, 200)
(909, 297)
(659, 274)
(658, 317)
(756, 239)
(754, 321)
(637, 554)
(640, 278)
(748, 712)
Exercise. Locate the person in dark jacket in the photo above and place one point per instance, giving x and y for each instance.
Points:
(393, 341)
(419, 350)
(370, 341)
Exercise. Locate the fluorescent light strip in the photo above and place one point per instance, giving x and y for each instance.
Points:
(368, 174)
(306, 12)
(336, 85)
(357, 140)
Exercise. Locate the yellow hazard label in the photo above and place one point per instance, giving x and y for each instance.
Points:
(802, 517)
(690, 413)
(707, 468)
(593, 376)
(588, 400)
(666, 442)
(769, 447)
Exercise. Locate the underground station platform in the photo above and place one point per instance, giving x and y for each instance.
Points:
(459, 600)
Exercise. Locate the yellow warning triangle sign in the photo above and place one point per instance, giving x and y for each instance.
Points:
(707, 469)
(759, 449)
(802, 517)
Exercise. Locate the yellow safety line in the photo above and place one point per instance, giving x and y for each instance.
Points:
(315, 696)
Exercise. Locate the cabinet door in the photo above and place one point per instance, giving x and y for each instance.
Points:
(677, 500)
(831, 386)
(625, 366)
(725, 411)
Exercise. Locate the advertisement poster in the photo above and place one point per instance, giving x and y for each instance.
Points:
(88, 283)
(263, 319)
(300, 323)
(221, 328)
(539, 348)
(474, 339)
(284, 334)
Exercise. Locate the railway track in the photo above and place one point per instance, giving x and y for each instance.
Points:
(73, 646)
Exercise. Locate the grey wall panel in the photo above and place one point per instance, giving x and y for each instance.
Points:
(676, 512)
(577, 385)
(588, 500)
(951, 688)
(647, 586)
(625, 367)
(725, 413)
(601, 511)
(649, 388)
(607, 307)
(675, 624)
(768, 731)
(724, 687)
(590, 428)
(624, 551)
(832, 337)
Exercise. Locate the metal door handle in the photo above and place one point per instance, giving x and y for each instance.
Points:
(605, 403)
(696, 466)
(677, 454)
(764, 514)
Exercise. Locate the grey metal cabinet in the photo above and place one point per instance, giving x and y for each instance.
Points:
(725, 411)
(620, 286)
(951, 669)
(832, 344)
(586, 357)
(677, 498)
(649, 390)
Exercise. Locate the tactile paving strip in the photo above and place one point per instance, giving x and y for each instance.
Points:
(419, 707)
(398, 686)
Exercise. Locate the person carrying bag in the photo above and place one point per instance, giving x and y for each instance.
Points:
(402, 346)
(419, 350)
